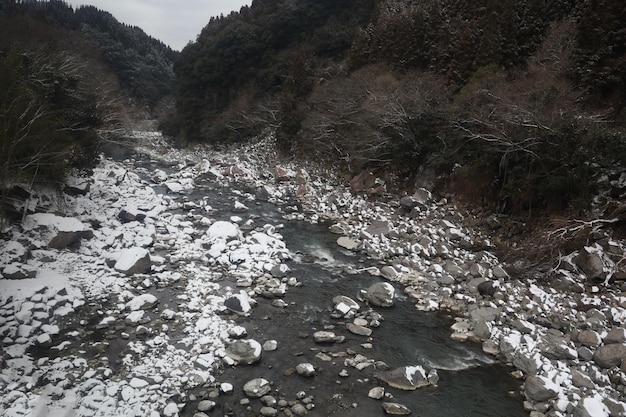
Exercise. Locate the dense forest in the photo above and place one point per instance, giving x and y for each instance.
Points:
(70, 80)
(513, 102)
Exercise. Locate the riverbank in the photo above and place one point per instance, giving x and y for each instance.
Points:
(121, 244)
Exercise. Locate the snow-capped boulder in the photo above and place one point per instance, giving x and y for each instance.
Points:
(381, 294)
(133, 261)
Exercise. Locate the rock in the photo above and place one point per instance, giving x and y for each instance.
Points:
(589, 338)
(590, 261)
(170, 410)
(305, 369)
(610, 355)
(500, 273)
(581, 380)
(408, 203)
(538, 388)
(359, 330)
(257, 388)
(422, 195)
(406, 378)
(238, 303)
(244, 352)
(379, 227)
(77, 186)
(376, 393)
(486, 288)
(345, 304)
(268, 411)
(299, 409)
(364, 181)
(381, 294)
(615, 335)
(284, 174)
(133, 261)
(280, 271)
(591, 407)
(389, 272)
(395, 409)
(270, 345)
(347, 243)
(323, 336)
(223, 231)
(142, 302)
(206, 405)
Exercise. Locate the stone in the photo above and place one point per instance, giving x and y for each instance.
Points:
(299, 410)
(324, 336)
(359, 330)
(238, 303)
(345, 304)
(142, 302)
(422, 195)
(280, 271)
(268, 411)
(615, 335)
(206, 405)
(257, 388)
(379, 227)
(389, 272)
(589, 338)
(608, 356)
(305, 369)
(590, 261)
(591, 407)
(407, 378)
(537, 389)
(244, 352)
(347, 243)
(381, 294)
(363, 181)
(581, 380)
(376, 393)
(270, 345)
(486, 288)
(133, 261)
(396, 409)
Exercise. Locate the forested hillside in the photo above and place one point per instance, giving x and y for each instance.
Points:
(516, 103)
(69, 81)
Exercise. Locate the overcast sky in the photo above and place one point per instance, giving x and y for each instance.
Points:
(175, 22)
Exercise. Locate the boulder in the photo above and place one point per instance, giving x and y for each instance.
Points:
(591, 407)
(347, 243)
(422, 195)
(363, 181)
(238, 303)
(257, 388)
(244, 352)
(538, 388)
(396, 409)
(381, 294)
(407, 378)
(324, 337)
(133, 261)
(359, 330)
(589, 338)
(615, 335)
(608, 356)
(590, 261)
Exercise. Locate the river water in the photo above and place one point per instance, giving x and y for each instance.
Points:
(471, 384)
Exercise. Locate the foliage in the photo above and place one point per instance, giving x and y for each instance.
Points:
(142, 64)
(251, 53)
(48, 119)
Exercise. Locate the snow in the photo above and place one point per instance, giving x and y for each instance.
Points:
(62, 224)
(129, 257)
(412, 370)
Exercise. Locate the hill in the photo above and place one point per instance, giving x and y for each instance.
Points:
(517, 104)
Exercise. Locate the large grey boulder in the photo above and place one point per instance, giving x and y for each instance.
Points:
(590, 261)
(381, 294)
(610, 355)
(537, 388)
(133, 261)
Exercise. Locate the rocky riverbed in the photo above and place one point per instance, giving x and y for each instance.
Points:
(153, 291)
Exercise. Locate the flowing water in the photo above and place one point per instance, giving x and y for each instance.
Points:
(470, 385)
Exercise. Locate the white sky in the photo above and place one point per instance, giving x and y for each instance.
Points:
(174, 22)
